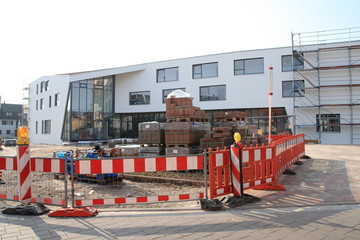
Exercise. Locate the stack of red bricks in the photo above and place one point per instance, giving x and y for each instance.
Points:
(182, 110)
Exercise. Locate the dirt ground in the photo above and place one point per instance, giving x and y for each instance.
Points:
(49, 185)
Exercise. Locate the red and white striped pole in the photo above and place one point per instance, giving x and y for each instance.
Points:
(236, 171)
(23, 158)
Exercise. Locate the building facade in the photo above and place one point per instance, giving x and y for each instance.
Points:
(108, 104)
(10, 118)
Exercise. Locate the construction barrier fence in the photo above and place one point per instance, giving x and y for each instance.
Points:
(83, 182)
(111, 172)
(254, 167)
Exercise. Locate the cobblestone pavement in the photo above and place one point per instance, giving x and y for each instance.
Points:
(317, 222)
(321, 202)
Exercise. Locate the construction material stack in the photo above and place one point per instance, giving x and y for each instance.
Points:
(186, 124)
(225, 125)
(152, 138)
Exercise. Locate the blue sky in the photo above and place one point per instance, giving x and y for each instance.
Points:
(42, 37)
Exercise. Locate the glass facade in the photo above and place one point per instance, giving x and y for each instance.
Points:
(90, 110)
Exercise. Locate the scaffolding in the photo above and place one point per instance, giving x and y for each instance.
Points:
(326, 85)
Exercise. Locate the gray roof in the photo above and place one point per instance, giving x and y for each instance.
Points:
(14, 109)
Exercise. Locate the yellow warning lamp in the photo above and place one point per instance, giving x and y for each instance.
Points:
(22, 134)
(260, 131)
(237, 137)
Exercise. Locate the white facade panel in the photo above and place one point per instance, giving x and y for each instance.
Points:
(57, 85)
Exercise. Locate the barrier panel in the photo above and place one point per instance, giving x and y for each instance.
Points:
(219, 173)
(49, 183)
(9, 190)
(46, 187)
(254, 167)
(108, 172)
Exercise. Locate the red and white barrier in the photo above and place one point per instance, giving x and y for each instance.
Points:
(24, 173)
(54, 165)
(131, 165)
(8, 163)
(138, 200)
(219, 173)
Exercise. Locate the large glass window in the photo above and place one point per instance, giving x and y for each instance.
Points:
(249, 66)
(205, 70)
(212, 93)
(166, 92)
(328, 122)
(167, 74)
(137, 98)
(89, 110)
(293, 88)
(287, 63)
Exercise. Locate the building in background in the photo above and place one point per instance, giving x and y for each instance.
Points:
(108, 104)
(10, 118)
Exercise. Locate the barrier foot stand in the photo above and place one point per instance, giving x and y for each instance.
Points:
(74, 212)
(236, 201)
(211, 205)
(271, 186)
(299, 163)
(289, 172)
(27, 209)
(305, 157)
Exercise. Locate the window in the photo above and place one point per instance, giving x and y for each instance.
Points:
(49, 101)
(47, 85)
(42, 86)
(37, 104)
(46, 127)
(166, 92)
(167, 74)
(212, 93)
(289, 88)
(41, 103)
(57, 99)
(205, 70)
(37, 88)
(287, 62)
(8, 132)
(36, 127)
(0, 131)
(328, 122)
(137, 98)
(3, 122)
(249, 66)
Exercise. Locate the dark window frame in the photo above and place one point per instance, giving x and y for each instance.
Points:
(294, 89)
(329, 123)
(145, 102)
(208, 98)
(297, 63)
(244, 61)
(201, 73)
(164, 78)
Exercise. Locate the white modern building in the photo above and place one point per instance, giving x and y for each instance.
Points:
(316, 92)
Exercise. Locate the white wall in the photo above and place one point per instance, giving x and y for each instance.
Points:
(242, 91)
(57, 84)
